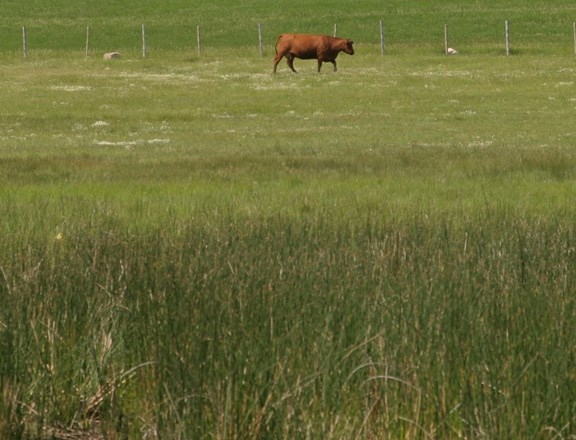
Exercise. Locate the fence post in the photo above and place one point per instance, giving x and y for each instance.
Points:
(574, 32)
(198, 47)
(260, 44)
(381, 38)
(445, 39)
(24, 42)
(507, 30)
(87, 40)
(143, 42)
(334, 29)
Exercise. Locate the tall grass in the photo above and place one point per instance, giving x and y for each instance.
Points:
(421, 325)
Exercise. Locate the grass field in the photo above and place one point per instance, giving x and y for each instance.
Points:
(193, 248)
(475, 27)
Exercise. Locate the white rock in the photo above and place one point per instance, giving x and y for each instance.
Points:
(112, 55)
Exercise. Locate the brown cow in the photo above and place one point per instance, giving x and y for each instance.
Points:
(308, 47)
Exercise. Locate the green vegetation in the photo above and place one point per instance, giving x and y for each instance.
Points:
(192, 248)
(475, 26)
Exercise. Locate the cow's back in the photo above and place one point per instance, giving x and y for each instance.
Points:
(301, 45)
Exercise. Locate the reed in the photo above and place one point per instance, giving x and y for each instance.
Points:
(423, 325)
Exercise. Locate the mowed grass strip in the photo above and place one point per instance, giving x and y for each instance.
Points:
(435, 129)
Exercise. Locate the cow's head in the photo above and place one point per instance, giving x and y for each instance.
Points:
(347, 46)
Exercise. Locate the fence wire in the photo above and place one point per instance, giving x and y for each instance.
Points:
(143, 39)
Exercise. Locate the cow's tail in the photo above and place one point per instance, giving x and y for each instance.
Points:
(276, 45)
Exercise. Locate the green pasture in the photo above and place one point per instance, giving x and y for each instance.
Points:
(474, 26)
(193, 248)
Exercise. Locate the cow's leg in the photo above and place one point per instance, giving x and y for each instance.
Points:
(334, 64)
(319, 65)
(276, 61)
(290, 61)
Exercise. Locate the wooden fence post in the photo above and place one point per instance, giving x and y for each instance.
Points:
(445, 39)
(507, 30)
(24, 43)
(87, 40)
(381, 38)
(143, 42)
(574, 32)
(198, 47)
(260, 43)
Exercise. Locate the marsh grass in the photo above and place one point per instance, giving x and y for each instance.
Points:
(192, 248)
(425, 325)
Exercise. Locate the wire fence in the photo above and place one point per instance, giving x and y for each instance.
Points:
(98, 40)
